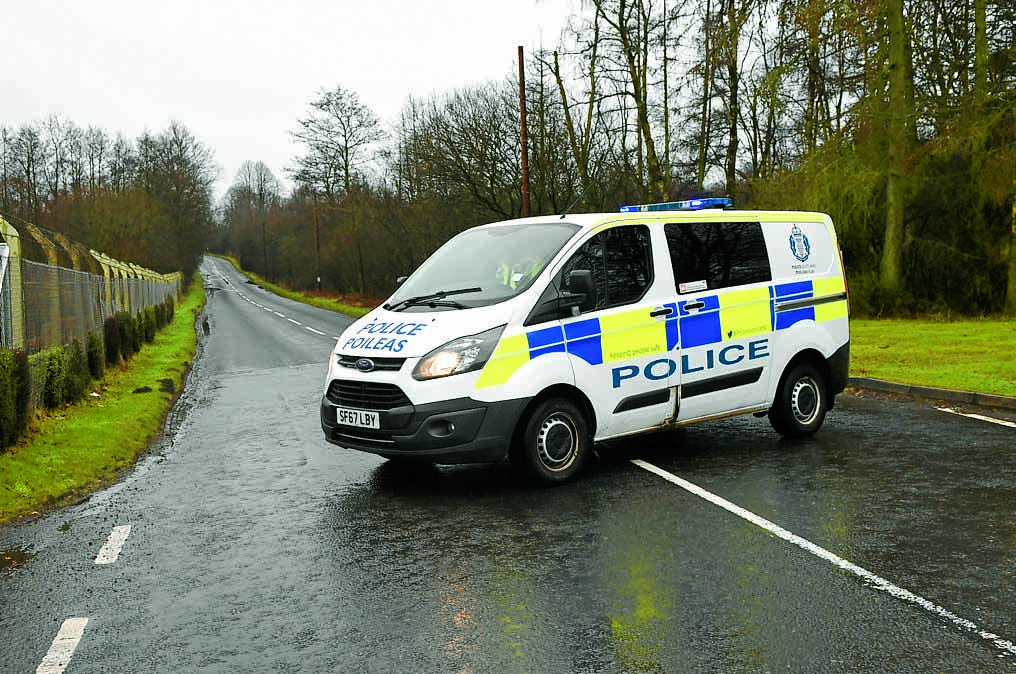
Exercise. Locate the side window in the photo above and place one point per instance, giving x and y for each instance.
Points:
(714, 255)
(620, 260)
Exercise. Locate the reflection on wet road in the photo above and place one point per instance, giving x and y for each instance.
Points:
(256, 546)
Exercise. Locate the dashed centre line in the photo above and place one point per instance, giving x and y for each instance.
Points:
(317, 332)
(60, 652)
(110, 551)
(278, 314)
(875, 581)
(991, 420)
(294, 322)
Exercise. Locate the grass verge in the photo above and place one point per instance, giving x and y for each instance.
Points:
(91, 443)
(972, 355)
(319, 302)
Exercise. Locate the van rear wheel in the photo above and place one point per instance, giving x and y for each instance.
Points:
(801, 402)
(554, 442)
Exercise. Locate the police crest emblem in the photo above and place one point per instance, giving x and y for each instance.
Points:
(799, 244)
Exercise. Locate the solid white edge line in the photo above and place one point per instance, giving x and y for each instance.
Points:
(875, 581)
(991, 420)
(110, 551)
(60, 652)
(316, 332)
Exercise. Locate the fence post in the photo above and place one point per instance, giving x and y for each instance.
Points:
(13, 240)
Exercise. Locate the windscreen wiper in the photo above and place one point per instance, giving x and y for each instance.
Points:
(432, 298)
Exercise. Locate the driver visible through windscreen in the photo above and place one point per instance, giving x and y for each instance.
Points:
(482, 266)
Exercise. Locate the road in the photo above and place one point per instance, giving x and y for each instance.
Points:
(887, 543)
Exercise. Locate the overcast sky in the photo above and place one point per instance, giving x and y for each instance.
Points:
(239, 74)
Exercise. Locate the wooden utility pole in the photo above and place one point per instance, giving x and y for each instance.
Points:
(525, 145)
(317, 244)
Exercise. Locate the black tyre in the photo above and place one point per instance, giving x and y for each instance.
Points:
(553, 443)
(801, 402)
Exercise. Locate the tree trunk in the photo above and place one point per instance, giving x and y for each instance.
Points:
(1010, 293)
(892, 252)
(707, 77)
(733, 106)
(980, 50)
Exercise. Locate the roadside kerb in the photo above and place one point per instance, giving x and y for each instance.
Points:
(968, 397)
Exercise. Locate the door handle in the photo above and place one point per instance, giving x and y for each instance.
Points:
(664, 311)
(694, 306)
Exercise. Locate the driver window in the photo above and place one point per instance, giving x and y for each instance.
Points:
(620, 260)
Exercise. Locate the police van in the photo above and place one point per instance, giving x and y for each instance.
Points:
(531, 339)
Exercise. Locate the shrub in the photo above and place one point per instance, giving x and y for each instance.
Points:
(170, 309)
(56, 367)
(149, 324)
(129, 341)
(24, 390)
(96, 357)
(76, 374)
(111, 338)
(160, 315)
(14, 383)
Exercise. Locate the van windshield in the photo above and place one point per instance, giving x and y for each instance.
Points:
(482, 266)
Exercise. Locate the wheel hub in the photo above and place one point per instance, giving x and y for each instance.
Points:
(805, 400)
(557, 442)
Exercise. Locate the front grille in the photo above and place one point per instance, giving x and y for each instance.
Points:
(389, 364)
(366, 395)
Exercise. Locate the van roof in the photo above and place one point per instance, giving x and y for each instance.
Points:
(593, 220)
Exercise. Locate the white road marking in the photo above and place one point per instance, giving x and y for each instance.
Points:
(294, 322)
(317, 332)
(278, 314)
(59, 655)
(111, 550)
(992, 420)
(873, 580)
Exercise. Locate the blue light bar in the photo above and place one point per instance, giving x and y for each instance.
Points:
(689, 205)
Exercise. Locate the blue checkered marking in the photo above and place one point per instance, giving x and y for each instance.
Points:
(544, 337)
(788, 292)
(580, 329)
(794, 291)
(701, 329)
(588, 349)
(785, 319)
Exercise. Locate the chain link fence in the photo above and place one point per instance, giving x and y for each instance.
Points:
(49, 305)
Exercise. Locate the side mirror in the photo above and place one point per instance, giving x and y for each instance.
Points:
(580, 282)
(400, 280)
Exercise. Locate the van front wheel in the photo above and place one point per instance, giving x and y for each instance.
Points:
(554, 442)
(800, 405)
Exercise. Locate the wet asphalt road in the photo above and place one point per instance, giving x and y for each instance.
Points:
(257, 547)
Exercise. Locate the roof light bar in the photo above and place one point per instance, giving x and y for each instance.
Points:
(689, 205)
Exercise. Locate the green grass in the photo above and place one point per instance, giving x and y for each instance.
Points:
(91, 443)
(319, 302)
(971, 355)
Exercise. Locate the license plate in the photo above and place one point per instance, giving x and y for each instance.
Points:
(358, 418)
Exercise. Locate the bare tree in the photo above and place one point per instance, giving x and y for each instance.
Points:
(336, 133)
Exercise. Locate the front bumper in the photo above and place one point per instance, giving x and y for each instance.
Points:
(449, 431)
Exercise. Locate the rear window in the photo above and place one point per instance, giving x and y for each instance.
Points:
(714, 255)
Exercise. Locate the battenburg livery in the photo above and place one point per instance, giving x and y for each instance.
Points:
(530, 339)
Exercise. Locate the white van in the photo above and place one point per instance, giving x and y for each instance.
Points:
(531, 339)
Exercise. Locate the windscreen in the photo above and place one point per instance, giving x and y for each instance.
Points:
(482, 266)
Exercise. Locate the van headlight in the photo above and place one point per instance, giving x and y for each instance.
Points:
(464, 354)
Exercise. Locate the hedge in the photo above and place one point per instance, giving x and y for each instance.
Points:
(55, 377)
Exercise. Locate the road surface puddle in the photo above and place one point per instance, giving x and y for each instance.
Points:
(13, 558)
